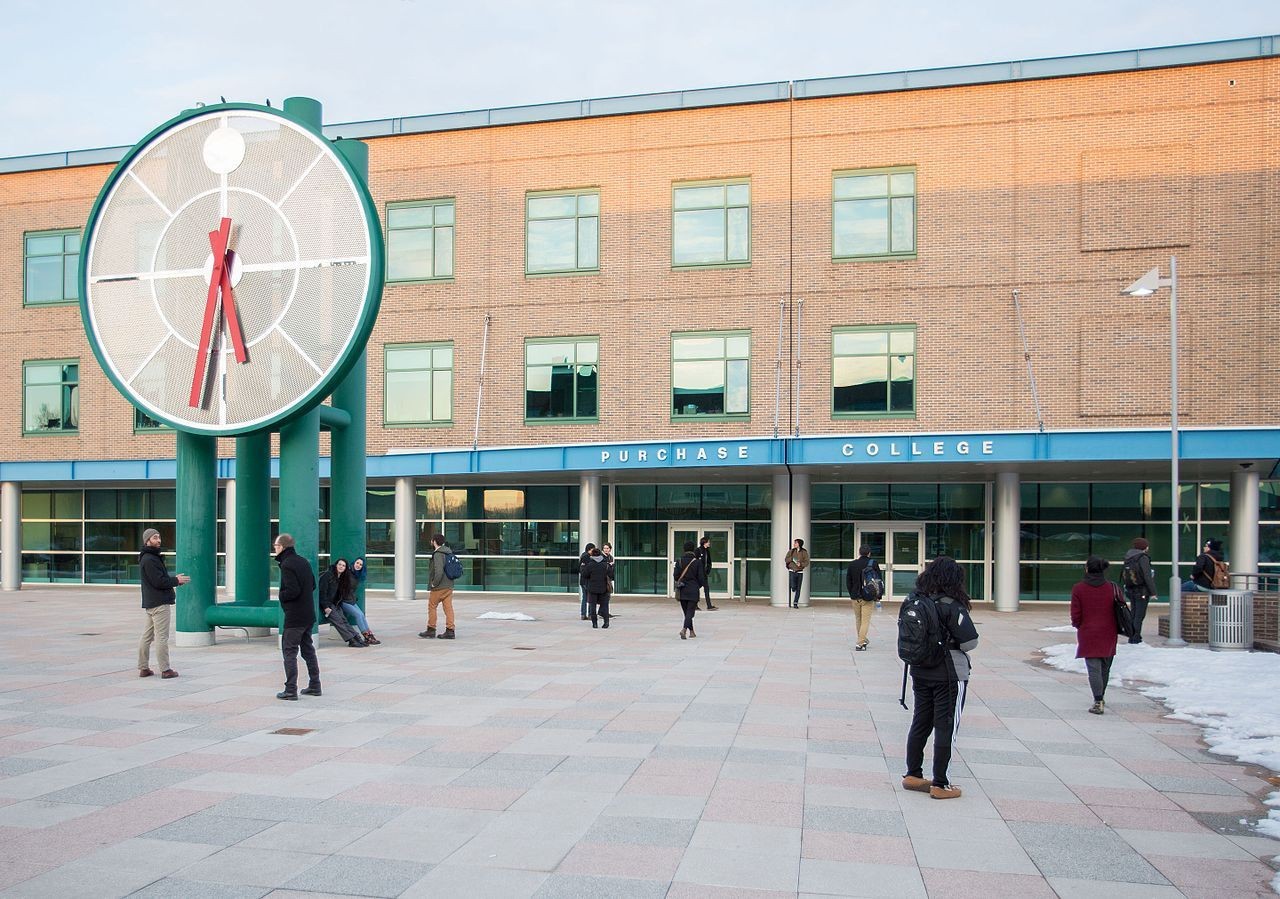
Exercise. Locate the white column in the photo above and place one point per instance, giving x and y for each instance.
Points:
(1007, 524)
(1243, 546)
(229, 540)
(801, 526)
(10, 536)
(780, 540)
(406, 539)
(589, 511)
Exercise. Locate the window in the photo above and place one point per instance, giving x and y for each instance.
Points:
(710, 374)
(873, 371)
(711, 224)
(562, 232)
(51, 266)
(420, 241)
(144, 422)
(561, 379)
(419, 384)
(51, 397)
(873, 214)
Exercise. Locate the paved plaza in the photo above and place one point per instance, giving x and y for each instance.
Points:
(548, 759)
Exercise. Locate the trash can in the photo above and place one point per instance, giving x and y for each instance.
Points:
(1231, 620)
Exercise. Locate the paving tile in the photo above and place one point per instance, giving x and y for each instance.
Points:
(577, 886)
(215, 830)
(42, 813)
(854, 820)
(867, 879)
(352, 876)
(117, 788)
(954, 884)
(176, 888)
(737, 868)
(476, 883)
(298, 837)
(1074, 888)
(641, 831)
(250, 867)
(1083, 853)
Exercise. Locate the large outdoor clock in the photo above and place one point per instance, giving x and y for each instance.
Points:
(232, 270)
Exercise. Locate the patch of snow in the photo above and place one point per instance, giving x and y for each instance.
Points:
(1059, 629)
(504, 616)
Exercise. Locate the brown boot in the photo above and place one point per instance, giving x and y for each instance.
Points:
(916, 784)
(428, 634)
(371, 639)
(950, 791)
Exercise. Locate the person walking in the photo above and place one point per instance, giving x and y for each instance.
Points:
(333, 581)
(704, 556)
(297, 602)
(1094, 618)
(582, 584)
(855, 581)
(595, 580)
(607, 549)
(1204, 568)
(158, 598)
(441, 592)
(797, 562)
(1139, 583)
(689, 579)
(939, 690)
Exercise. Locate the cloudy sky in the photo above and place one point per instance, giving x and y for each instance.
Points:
(89, 73)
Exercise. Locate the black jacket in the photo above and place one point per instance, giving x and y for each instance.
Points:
(595, 574)
(960, 636)
(329, 597)
(853, 575)
(1148, 587)
(694, 580)
(1202, 571)
(157, 583)
(297, 589)
(704, 556)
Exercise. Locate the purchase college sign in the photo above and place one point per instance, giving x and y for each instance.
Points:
(706, 453)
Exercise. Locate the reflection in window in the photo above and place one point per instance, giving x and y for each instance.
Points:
(711, 224)
(873, 213)
(562, 232)
(419, 384)
(561, 379)
(51, 266)
(710, 374)
(873, 371)
(420, 240)
(51, 397)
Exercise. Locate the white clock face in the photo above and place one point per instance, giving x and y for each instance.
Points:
(229, 271)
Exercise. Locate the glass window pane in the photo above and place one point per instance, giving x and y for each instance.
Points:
(42, 374)
(902, 183)
(680, 500)
(1215, 502)
(551, 245)
(588, 204)
(861, 227)
(962, 502)
(904, 224)
(442, 396)
(403, 358)
(589, 352)
(738, 194)
(407, 396)
(442, 357)
(44, 245)
(635, 501)
(698, 347)
(548, 353)
(1064, 502)
(1117, 502)
(902, 341)
(503, 502)
(552, 207)
(698, 237)
(409, 216)
(860, 384)
(71, 277)
(444, 252)
(739, 235)
(860, 343)
(44, 279)
(588, 246)
(444, 214)
(587, 391)
(901, 383)
(735, 400)
(913, 502)
(699, 197)
(853, 186)
(698, 388)
(738, 346)
(409, 255)
(44, 408)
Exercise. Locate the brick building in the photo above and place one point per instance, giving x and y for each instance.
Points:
(880, 309)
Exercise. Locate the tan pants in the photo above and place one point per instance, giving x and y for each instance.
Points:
(862, 609)
(437, 596)
(157, 629)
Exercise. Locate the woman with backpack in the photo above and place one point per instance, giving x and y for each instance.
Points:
(935, 631)
(689, 579)
(1093, 615)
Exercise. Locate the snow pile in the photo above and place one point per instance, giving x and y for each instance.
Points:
(1232, 695)
(504, 616)
(1059, 629)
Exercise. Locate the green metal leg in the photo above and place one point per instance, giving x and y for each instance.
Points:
(253, 518)
(197, 498)
(300, 486)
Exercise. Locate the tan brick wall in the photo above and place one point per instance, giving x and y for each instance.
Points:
(1064, 189)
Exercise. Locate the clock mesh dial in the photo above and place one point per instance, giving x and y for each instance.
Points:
(301, 248)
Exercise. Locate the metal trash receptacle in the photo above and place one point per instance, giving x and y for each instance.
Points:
(1231, 620)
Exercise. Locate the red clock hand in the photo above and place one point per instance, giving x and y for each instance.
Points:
(233, 316)
(218, 240)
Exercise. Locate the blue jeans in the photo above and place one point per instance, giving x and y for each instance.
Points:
(583, 591)
(356, 616)
(1193, 587)
(796, 578)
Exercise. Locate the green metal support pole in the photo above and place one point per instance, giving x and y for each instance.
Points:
(300, 486)
(197, 498)
(253, 518)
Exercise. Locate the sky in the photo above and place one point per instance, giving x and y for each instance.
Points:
(82, 74)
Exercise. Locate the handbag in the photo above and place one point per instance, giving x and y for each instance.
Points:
(1124, 617)
(680, 579)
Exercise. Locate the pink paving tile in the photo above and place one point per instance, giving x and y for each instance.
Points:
(286, 760)
(9, 730)
(745, 811)
(561, 691)
(1212, 802)
(856, 847)
(195, 761)
(848, 732)
(619, 860)
(45, 847)
(1049, 812)
(16, 872)
(660, 785)
(1116, 796)
(700, 891)
(380, 793)
(1163, 766)
(1126, 818)
(728, 788)
(18, 747)
(8, 833)
(480, 742)
(1227, 878)
(112, 739)
(953, 884)
(377, 756)
(847, 705)
(483, 798)
(678, 767)
(791, 731)
(840, 777)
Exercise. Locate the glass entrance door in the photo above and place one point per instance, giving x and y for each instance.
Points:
(900, 551)
(720, 577)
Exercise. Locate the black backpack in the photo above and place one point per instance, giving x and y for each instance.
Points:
(921, 642)
(1132, 574)
(872, 582)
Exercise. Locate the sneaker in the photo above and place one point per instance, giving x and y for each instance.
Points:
(950, 791)
(861, 647)
(311, 691)
(355, 645)
(168, 673)
(447, 635)
(428, 634)
(145, 672)
(916, 784)
(287, 695)
(1097, 708)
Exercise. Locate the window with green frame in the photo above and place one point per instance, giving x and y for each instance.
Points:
(51, 396)
(420, 240)
(873, 213)
(144, 422)
(711, 374)
(50, 267)
(711, 223)
(561, 379)
(562, 232)
(419, 384)
(873, 371)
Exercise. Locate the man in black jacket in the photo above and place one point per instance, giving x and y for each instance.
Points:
(297, 602)
(704, 556)
(1139, 583)
(157, 601)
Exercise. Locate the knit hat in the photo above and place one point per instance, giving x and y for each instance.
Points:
(148, 534)
(1140, 543)
(1215, 545)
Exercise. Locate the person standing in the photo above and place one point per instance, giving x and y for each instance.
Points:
(1093, 616)
(607, 549)
(158, 599)
(797, 562)
(297, 602)
(441, 592)
(582, 584)
(595, 580)
(855, 582)
(688, 572)
(1139, 583)
(704, 557)
(939, 690)
(1203, 570)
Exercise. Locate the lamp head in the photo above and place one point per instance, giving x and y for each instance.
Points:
(1147, 284)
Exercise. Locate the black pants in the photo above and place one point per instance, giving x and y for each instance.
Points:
(797, 578)
(1138, 604)
(706, 588)
(598, 602)
(938, 705)
(690, 606)
(293, 639)
(1099, 676)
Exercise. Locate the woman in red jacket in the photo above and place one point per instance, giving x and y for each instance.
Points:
(1094, 618)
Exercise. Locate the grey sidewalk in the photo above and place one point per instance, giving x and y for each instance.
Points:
(549, 759)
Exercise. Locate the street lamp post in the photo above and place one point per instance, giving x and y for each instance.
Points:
(1143, 287)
